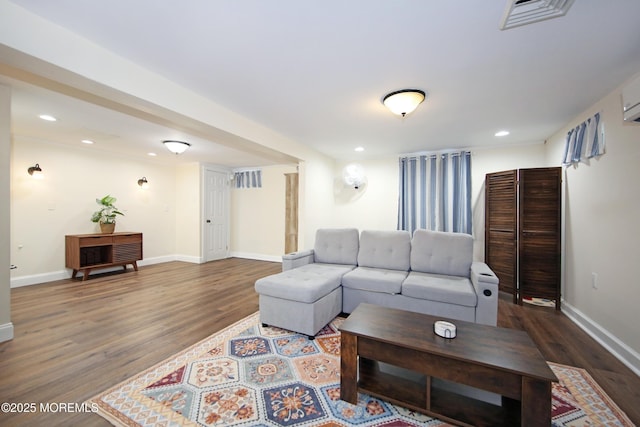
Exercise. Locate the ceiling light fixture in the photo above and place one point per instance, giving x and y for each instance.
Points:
(403, 102)
(502, 133)
(87, 141)
(35, 172)
(358, 149)
(177, 147)
(47, 117)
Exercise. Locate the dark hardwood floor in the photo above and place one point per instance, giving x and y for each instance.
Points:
(74, 339)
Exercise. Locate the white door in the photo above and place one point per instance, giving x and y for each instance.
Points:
(216, 215)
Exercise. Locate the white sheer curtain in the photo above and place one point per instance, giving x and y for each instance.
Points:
(584, 142)
(435, 192)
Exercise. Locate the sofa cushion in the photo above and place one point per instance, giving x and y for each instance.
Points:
(375, 280)
(385, 249)
(304, 284)
(336, 246)
(441, 252)
(437, 287)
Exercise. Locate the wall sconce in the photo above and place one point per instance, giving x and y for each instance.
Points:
(36, 172)
(177, 147)
(143, 183)
(403, 102)
(353, 176)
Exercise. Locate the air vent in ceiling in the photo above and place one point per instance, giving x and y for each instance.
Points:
(522, 12)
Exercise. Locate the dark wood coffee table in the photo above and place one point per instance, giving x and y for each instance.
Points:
(498, 360)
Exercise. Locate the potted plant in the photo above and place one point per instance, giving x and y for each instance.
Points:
(106, 215)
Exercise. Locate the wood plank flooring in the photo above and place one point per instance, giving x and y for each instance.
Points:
(74, 339)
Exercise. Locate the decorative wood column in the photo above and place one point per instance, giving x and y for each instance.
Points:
(291, 213)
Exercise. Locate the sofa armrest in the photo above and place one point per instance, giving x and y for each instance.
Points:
(485, 283)
(297, 259)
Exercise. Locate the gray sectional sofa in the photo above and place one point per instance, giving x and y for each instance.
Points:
(430, 272)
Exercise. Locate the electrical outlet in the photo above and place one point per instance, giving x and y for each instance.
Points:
(594, 280)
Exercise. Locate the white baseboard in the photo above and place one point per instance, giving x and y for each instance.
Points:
(6, 332)
(620, 350)
(188, 258)
(36, 279)
(158, 260)
(257, 257)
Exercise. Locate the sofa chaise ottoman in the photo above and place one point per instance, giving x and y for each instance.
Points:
(307, 295)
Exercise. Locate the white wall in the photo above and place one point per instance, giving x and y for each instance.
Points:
(6, 327)
(258, 216)
(602, 230)
(44, 211)
(316, 198)
(188, 212)
(373, 206)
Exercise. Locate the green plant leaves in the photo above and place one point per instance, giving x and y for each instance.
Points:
(106, 214)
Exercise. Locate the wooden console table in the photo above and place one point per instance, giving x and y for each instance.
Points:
(86, 252)
(498, 360)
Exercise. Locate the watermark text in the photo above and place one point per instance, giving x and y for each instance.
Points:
(48, 407)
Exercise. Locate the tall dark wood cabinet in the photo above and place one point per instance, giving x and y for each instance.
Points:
(523, 231)
(501, 228)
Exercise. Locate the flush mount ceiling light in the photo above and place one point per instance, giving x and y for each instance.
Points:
(177, 147)
(403, 102)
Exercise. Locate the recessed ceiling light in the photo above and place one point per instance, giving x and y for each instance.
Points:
(47, 117)
(359, 149)
(151, 154)
(87, 141)
(502, 133)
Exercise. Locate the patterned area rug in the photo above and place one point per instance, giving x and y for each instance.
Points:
(247, 374)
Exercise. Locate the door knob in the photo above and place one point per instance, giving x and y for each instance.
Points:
(208, 221)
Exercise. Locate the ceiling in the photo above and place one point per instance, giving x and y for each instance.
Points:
(316, 72)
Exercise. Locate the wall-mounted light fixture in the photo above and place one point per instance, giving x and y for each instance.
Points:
(143, 183)
(353, 176)
(177, 147)
(403, 102)
(35, 171)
